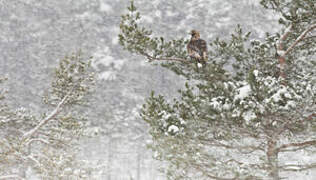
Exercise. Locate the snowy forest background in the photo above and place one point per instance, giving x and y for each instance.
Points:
(34, 35)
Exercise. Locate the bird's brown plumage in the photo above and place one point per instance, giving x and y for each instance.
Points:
(197, 47)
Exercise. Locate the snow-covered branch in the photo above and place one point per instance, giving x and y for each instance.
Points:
(52, 115)
(33, 140)
(196, 166)
(300, 38)
(12, 176)
(296, 168)
(281, 51)
(34, 160)
(295, 145)
(30, 141)
(283, 37)
(245, 149)
(151, 58)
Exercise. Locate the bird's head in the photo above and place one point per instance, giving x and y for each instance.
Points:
(195, 34)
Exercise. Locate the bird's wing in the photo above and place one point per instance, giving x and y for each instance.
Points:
(193, 47)
(202, 45)
(189, 49)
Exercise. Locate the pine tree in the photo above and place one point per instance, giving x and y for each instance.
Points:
(44, 147)
(247, 111)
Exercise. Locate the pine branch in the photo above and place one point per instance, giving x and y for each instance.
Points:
(151, 58)
(38, 139)
(30, 141)
(52, 115)
(297, 168)
(34, 160)
(310, 37)
(303, 144)
(12, 176)
(283, 37)
(197, 167)
(300, 38)
(244, 149)
(280, 50)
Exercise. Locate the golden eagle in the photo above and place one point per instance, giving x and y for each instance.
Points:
(197, 47)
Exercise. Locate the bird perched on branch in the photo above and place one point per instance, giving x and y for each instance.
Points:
(197, 47)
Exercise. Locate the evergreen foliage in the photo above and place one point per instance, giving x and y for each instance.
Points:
(252, 106)
(44, 147)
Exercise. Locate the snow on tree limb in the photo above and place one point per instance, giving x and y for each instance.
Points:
(297, 167)
(280, 50)
(283, 52)
(300, 38)
(13, 176)
(283, 37)
(303, 144)
(38, 139)
(280, 47)
(52, 115)
(151, 58)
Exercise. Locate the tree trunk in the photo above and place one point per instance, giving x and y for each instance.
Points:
(282, 67)
(272, 155)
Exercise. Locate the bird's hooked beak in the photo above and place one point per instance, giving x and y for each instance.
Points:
(194, 33)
